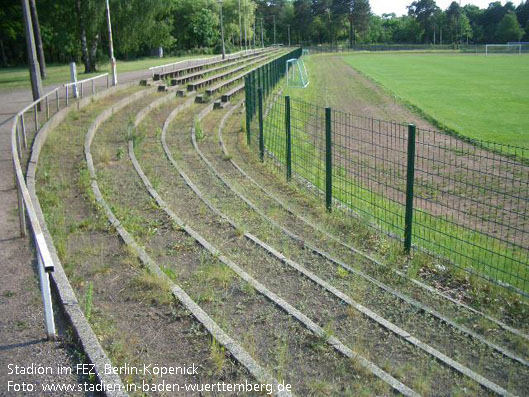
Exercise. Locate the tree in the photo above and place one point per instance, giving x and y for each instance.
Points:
(302, 18)
(522, 13)
(509, 29)
(359, 18)
(424, 12)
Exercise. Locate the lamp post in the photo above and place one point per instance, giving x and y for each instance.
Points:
(274, 29)
(262, 42)
(240, 26)
(111, 46)
(222, 31)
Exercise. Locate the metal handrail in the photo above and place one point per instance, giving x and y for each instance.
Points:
(85, 80)
(19, 141)
(80, 83)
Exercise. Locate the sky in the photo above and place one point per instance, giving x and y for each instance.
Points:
(399, 6)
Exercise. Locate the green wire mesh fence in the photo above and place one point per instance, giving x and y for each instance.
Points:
(465, 202)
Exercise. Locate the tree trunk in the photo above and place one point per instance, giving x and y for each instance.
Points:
(38, 38)
(350, 31)
(84, 44)
(93, 53)
(3, 53)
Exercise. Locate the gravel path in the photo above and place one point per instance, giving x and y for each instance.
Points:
(22, 332)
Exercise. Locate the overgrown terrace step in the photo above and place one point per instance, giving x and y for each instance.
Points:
(185, 75)
(206, 64)
(487, 357)
(193, 76)
(210, 80)
(227, 83)
(240, 309)
(226, 97)
(259, 265)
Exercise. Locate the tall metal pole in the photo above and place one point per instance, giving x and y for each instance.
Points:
(274, 29)
(33, 63)
(222, 32)
(245, 20)
(38, 38)
(288, 27)
(262, 41)
(240, 26)
(111, 45)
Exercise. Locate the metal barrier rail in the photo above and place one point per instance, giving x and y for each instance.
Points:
(81, 83)
(19, 143)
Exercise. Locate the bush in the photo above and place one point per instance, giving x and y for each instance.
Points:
(227, 45)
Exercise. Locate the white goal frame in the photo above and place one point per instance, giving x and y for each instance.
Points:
(503, 45)
(302, 71)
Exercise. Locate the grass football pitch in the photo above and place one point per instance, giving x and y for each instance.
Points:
(481, 97)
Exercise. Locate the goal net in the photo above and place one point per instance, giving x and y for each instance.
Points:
(503, 49)
(297, 76)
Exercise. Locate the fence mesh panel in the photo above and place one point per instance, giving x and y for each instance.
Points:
(470, 202)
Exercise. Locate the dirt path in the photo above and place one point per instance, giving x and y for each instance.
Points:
(22, 332)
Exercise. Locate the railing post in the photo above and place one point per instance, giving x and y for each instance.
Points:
(410, 178)
(36, 112)
(288, 138)
(261, 132)
(47, 108)
(93, 87)
(21, 207)
(66, 95)
(259, 80)
(57, 98)
(24, 135)
(46, 298)
(328, 159)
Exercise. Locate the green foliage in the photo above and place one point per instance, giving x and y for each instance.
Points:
(509, 29)
(76, 30)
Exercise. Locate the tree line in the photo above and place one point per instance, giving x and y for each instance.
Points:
(77, 30)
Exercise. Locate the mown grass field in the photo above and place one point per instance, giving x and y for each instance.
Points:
(477, 96)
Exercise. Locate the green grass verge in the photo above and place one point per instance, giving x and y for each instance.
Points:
(14, 78)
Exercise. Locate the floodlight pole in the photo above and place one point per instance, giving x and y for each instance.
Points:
(245, 23)
(111, 46)
(240, 26)
(262, 42)
(274, 29)
(33, 63)
(221, 31)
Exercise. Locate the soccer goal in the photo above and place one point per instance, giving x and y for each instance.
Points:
(503, 49)
(297, 76)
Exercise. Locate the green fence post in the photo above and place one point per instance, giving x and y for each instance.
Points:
(289, 138)
(259, 77)
(410, 178)
(248, 100)
(267, 79)
(253, 93)
(261, 132)
(328, 160)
